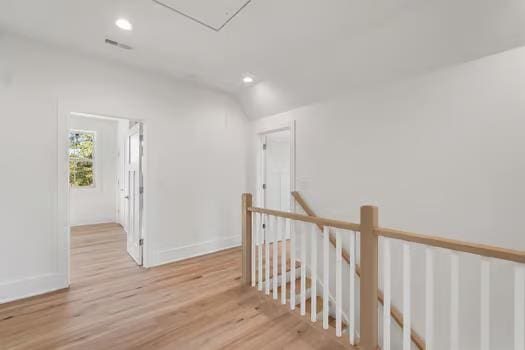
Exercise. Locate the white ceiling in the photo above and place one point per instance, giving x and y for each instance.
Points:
(213, 14)
(299, 51)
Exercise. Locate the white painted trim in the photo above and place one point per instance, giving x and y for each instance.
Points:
(31, 286)
(197, 249)
(147, 250)
(64, 112)
(96, 222)
(62, 223)
(269, 125)
(261, 134)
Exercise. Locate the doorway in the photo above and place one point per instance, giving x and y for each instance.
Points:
(133, 192)
(105, 187)
(276, 175)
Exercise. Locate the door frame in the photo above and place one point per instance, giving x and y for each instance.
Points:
(260, 159)
(63, 225)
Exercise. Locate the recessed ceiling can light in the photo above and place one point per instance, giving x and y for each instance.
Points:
(124, 24)
(247, 79)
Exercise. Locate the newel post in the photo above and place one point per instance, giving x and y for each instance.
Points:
(246, 238)
(369, 276)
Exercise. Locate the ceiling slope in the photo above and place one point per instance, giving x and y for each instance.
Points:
(299, 51)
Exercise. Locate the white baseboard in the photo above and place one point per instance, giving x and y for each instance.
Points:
(93, 222)
(31, 286)
(198, 249)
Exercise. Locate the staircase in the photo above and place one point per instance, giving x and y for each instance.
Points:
(291, 294)
(396, 314)
(287, 266)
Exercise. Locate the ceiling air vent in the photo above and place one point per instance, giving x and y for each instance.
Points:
(117, 44)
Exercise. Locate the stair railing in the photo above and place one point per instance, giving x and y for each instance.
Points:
(369, 250)
(394, 311)
(455, 247)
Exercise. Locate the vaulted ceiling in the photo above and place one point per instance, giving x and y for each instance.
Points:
(299, 51)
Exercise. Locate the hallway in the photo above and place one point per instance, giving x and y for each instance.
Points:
(192, 304)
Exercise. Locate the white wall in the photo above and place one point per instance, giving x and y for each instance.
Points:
(195, 157)
(97, 204)
(440, 154)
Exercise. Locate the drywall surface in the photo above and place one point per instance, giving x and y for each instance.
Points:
(195, 159)
(439, 154)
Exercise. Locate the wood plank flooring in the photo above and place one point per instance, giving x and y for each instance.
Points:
(193, 304)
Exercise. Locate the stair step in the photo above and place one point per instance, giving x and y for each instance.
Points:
(288, 268)
(331, 323)
(297, 287)
(331, 319)
(319, 301)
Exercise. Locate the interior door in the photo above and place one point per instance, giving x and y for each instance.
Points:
(276, 171)
(134, 193)
(122, 195)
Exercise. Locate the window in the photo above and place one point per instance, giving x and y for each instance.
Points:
(81, 158)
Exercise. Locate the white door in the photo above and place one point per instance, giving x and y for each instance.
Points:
(122, 195)
(134, 193)
(276, 171)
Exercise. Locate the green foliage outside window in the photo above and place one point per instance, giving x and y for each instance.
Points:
(81, 156)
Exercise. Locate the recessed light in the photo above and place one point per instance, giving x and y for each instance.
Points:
(124, 24)
(247, 79)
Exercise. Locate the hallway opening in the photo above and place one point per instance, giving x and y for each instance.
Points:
(106, 187)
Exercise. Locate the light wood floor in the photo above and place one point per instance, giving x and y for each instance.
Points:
(193, 304)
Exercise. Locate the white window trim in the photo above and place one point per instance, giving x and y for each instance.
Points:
(93, 161)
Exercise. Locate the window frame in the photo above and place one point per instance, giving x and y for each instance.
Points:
(93, 160)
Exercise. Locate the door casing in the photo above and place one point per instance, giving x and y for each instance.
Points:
(261, 164)
(62, 225)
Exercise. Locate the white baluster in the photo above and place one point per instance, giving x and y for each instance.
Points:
(338, 283)
(351, 314)
(293, 226)
(275, 234)
(519, 307)
(386, 294)
(260, 240)
(255, 234)
(283, 260)
(267, 257)
(303, 268)
(429, 299)
(454, 301)
(326, 254)
(485, 304)
(407, 326)
(313, 288)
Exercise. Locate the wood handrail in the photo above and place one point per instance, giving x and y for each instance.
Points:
(344, 225)
(434, 241)
(394, 312)
(460, 246)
